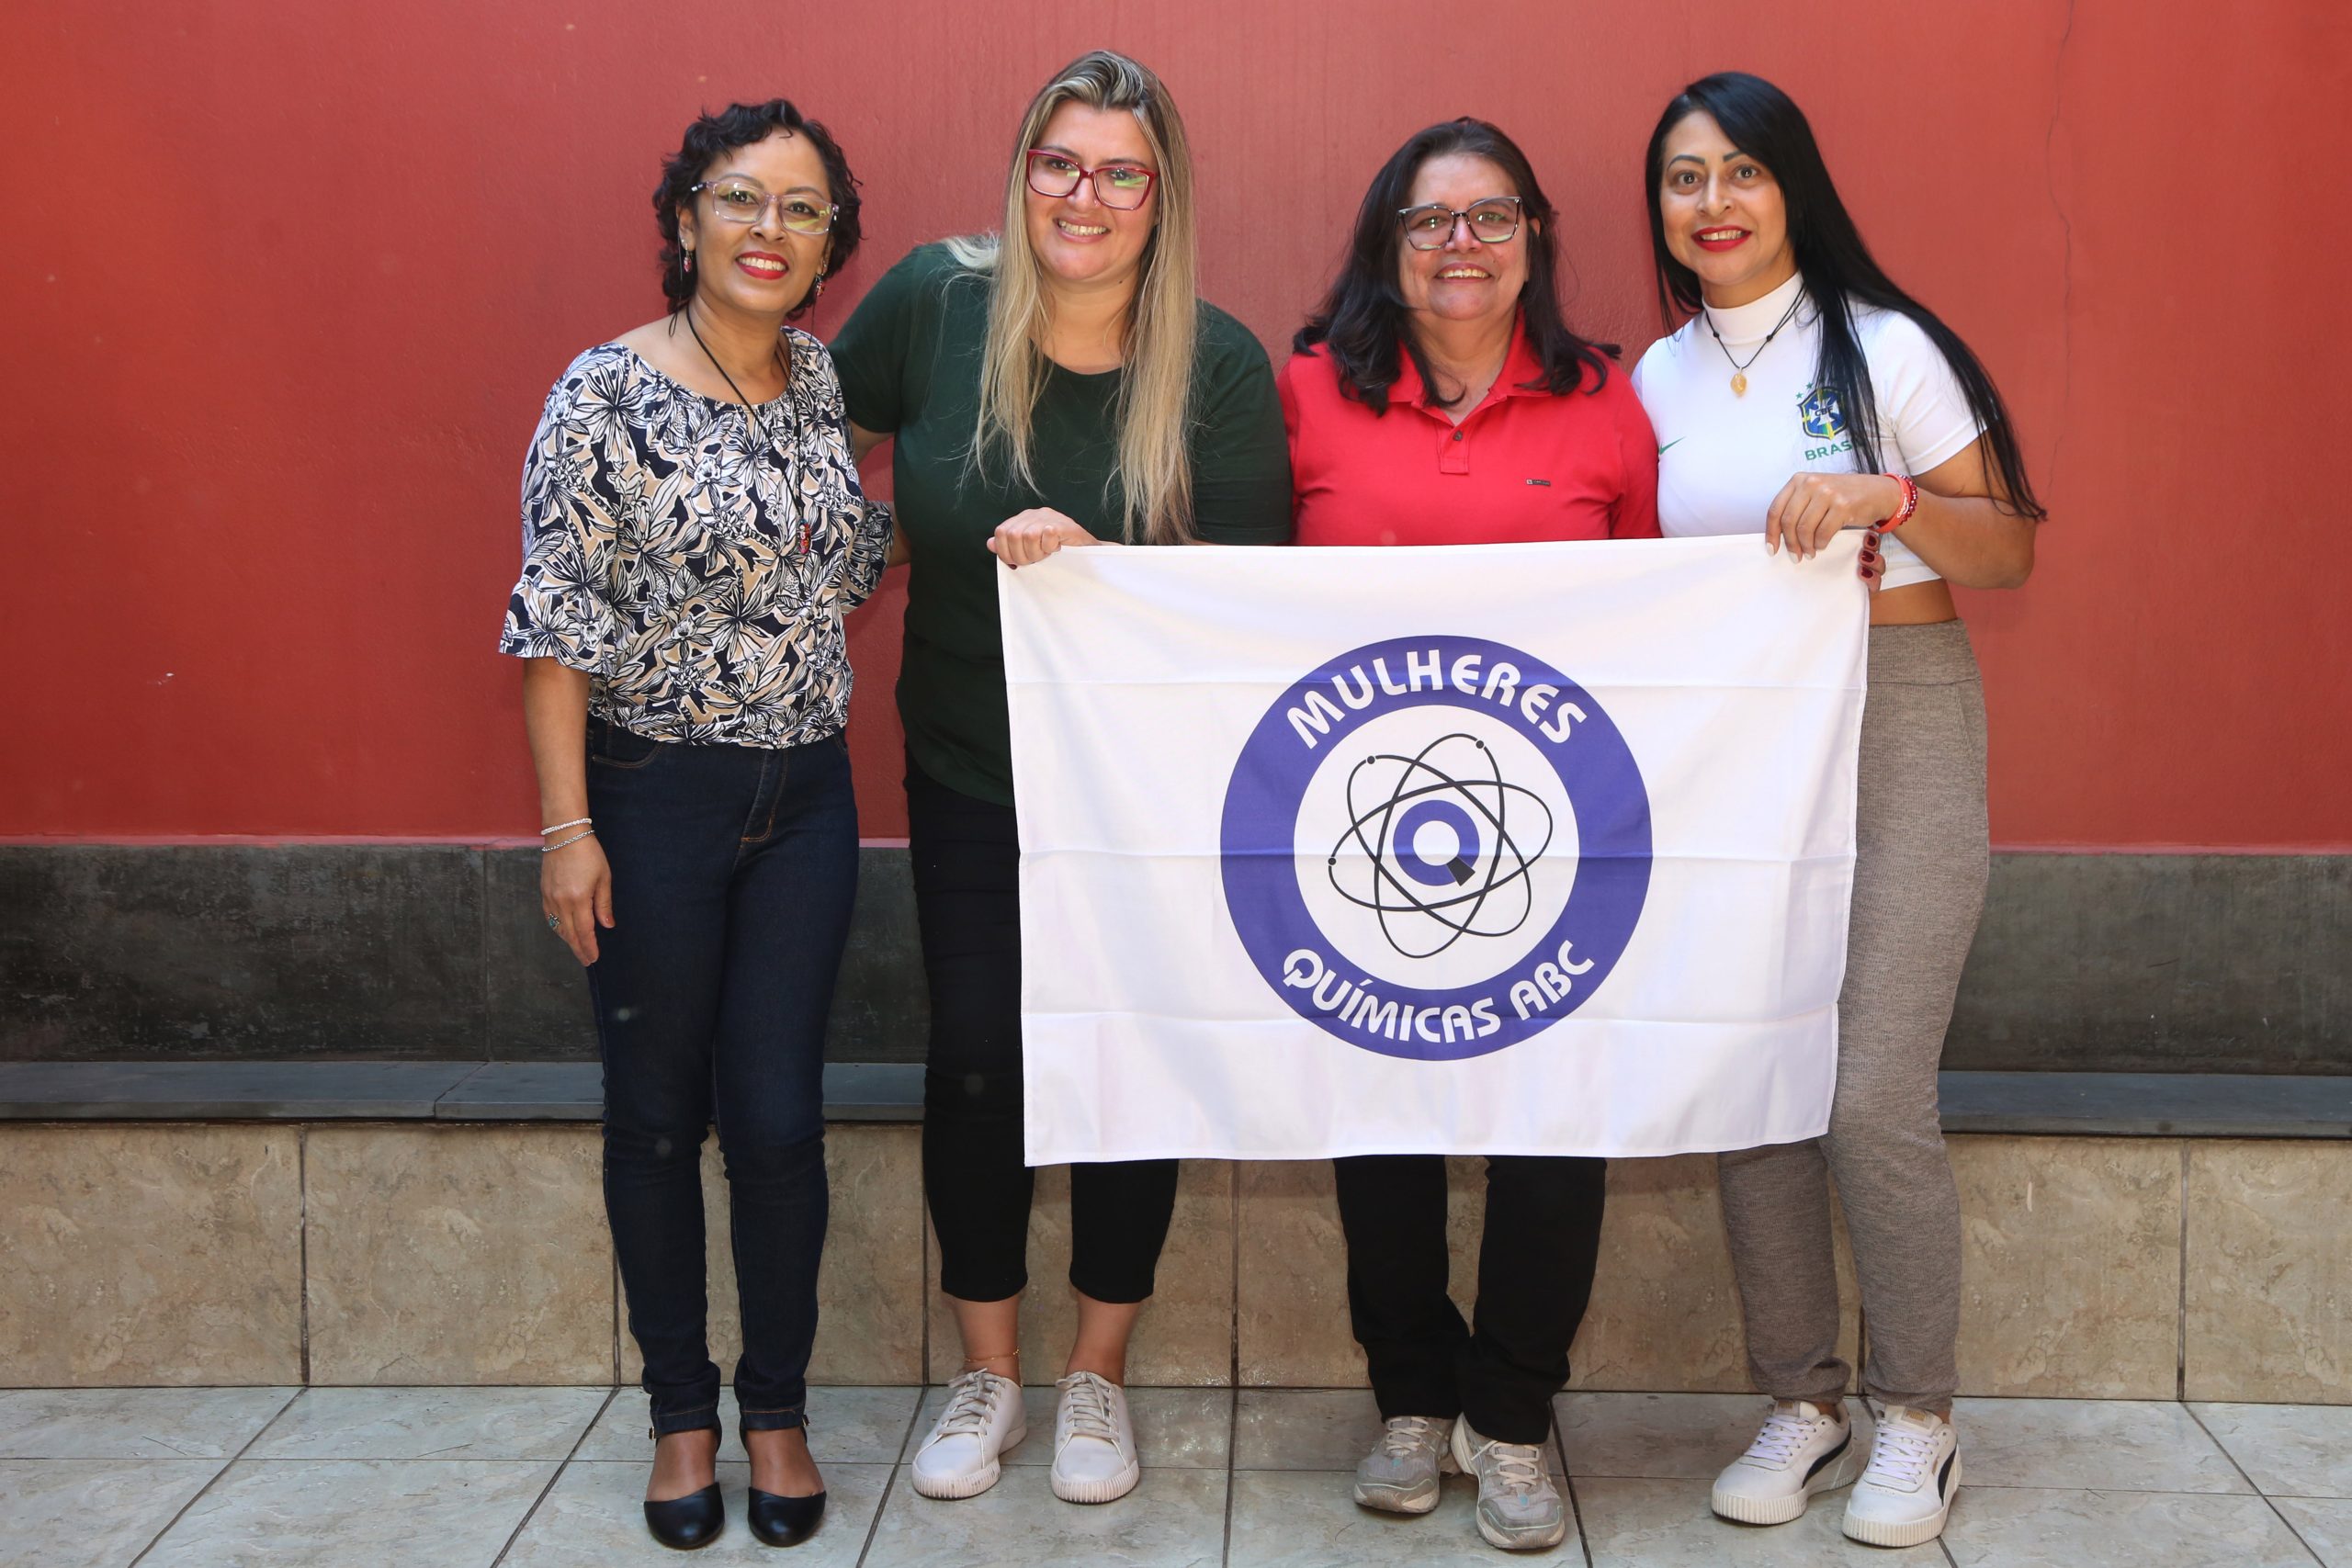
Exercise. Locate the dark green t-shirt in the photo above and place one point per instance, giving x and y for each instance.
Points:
(909, 364)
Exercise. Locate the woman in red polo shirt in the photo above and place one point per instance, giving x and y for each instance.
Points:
(1437, 398)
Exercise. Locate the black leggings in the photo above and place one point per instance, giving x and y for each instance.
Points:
(967, 870)
(1540, 1241)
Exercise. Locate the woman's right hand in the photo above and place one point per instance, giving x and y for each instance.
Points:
(576, 892)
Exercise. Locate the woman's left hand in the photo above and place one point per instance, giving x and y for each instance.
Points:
(1812, 508)
(1028, 538)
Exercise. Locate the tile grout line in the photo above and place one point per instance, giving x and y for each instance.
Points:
(1232, 1426)
(226, 1465)
(2268, 1500)
(565, 1463)
(898, 1460)
(2181, 1326)
(1560, 1447)
(302, 1237)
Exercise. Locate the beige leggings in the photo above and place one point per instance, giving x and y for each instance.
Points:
(1920, 870)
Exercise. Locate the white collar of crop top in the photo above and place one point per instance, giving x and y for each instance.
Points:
(1741, 325)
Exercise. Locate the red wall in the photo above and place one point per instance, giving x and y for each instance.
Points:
(284, 286)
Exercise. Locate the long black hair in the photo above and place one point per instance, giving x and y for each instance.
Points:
(1362, 321)
(1765, 123)
(710, 138)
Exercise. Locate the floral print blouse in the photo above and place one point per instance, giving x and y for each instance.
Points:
(700, 578)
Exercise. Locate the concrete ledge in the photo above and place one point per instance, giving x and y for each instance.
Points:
(380, 1091)
(2183, 1105)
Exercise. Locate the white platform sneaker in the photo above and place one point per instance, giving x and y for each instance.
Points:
(1801, 1450)
(1094, 1443)
(1400, 1475)
(961, 1458)
(1905, 1493)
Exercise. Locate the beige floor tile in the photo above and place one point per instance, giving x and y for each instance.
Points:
(134, 1422)
(458, 1254)
(1667, 1524)
(335, 1513)
(1994, 1527)
(1176, 1429)
(595, 1516)
(1294, 1518)
(1661, 1436)
(1184, 1336)
(2268, 1274)
(1291, 1307)
(164, 1254)
(1173, 1516)
(847, 1426)
(2103, 1444)
(431, 1423)
(869, 1286)
(2288, 1450)
(1303, 1429)
(2325, 1525)
(91, 1513)
(2071, 1266)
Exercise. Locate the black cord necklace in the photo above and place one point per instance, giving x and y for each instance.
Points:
(750, 412)
(1738, 368)
(757, 422)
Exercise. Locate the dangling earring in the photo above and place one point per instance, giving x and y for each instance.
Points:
(820, 287)
(689, 262)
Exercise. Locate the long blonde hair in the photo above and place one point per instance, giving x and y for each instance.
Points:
(1154, 414)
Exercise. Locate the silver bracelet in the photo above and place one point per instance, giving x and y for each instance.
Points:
(565, 843)
(575, 822)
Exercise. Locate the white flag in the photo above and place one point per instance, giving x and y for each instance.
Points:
(1507, 849)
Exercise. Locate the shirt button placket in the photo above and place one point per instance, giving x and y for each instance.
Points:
(1453, 453)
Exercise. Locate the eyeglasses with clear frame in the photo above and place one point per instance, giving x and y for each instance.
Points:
(1120, 185)
(1491, 222)
(738, 200)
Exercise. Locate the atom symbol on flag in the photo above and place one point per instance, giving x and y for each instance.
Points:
(1437, 855)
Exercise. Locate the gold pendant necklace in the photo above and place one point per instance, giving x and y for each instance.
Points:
(1739, 366)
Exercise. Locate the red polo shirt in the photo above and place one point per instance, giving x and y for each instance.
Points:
(1525, 466)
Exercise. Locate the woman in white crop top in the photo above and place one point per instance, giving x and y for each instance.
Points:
(1807, 394)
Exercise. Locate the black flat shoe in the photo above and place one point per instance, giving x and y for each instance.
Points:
(784, 1521)
(686, 1523)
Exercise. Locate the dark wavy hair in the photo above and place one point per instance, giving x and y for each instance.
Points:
(1362, 321)
(711, 138)
(1839, 272)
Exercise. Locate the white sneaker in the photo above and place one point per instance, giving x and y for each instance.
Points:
(983, 1418)
(1094, 1443)
(1801, 1450)
(1905, 1493)
(1518, 1508)
(1401, 1475)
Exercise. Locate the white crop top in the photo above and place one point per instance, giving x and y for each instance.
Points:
(1723, 457)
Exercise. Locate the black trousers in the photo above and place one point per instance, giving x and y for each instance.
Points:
(1536, 1261)
(966, 860)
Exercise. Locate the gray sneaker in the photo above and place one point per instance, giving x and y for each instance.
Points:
(1518, 1508)
(1400, 1475)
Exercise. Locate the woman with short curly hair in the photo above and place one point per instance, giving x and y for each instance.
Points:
(694, 532)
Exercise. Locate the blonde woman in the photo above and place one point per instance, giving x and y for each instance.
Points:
(1055, 385)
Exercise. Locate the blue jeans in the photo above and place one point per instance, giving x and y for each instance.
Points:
(734, 868)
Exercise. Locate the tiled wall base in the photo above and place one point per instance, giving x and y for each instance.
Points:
(407, 1254)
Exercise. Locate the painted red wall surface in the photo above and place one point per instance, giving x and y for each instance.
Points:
(284, 287)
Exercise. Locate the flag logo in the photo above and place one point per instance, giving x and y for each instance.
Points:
(1435, 847)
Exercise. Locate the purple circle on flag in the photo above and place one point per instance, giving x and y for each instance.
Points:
(1429, 892)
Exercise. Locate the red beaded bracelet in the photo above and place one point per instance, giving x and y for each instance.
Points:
(1910, 504)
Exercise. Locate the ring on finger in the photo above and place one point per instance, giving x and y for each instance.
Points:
(554, 921)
